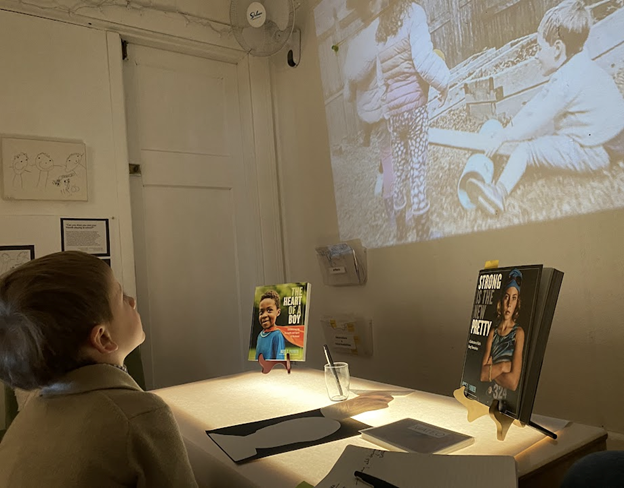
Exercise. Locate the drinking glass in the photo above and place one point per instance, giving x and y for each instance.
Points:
(337, 381)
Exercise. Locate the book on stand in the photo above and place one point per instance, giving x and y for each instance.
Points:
(512, 312)
(279, 324)
(410, 435)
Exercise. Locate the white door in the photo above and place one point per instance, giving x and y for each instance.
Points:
(194, 214)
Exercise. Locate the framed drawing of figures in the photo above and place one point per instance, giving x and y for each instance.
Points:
(43, 169)
(14, 256)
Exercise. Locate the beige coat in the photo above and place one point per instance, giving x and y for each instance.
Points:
(94, 428)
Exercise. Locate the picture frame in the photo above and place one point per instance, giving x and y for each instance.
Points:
(14, 256)
(43, 169)
(87, 235)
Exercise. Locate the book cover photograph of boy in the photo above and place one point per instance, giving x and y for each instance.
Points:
(279, 322)
(550, 74)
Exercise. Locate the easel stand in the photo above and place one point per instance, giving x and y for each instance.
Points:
(502, 421)
(477, 409)
(267, 366)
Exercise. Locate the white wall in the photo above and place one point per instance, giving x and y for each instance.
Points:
(419, 295)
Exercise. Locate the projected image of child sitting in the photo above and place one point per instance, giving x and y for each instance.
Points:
(575, 123)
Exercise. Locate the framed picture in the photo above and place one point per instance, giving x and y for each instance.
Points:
(43, 169)
(14, 256)
(87, 235)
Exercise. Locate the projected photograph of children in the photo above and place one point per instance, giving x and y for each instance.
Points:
(447, 117)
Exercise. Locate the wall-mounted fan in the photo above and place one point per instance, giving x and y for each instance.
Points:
(263, 28)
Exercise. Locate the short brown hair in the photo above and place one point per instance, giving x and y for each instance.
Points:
(272, 294)
(569, 22)
(48, 308)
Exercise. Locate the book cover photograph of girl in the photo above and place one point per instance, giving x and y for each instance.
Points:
(502, 358)
(279, 322)
(499, 339)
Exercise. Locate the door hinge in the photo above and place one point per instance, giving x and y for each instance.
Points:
(124, 49)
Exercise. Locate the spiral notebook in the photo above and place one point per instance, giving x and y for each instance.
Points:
(412, 435)
(406, 469)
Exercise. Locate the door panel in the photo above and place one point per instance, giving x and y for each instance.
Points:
(194, 99)
(191, 279)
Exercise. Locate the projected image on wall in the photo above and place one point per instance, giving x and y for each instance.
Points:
(448, 117)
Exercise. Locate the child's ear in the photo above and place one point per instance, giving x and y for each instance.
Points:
(100, 339)
(279, 311)
(560, 50)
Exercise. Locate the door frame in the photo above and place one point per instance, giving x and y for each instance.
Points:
(259, 162)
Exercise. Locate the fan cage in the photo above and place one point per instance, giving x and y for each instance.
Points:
(266, 40)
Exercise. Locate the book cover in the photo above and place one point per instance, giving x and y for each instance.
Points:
(412, 435)
(279, 324)
(501, 330)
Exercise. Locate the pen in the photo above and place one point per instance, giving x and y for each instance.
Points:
(543, 430)
(373, 480)
(330, 361)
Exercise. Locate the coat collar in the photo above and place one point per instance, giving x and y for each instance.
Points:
(91, 378)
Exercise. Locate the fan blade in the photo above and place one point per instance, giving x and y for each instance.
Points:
(281, 12)
(238, 12)
(256, 39)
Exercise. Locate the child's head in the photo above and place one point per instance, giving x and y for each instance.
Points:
(269, 309)
(562, 34)
(391, 20)
(508, 306)
(59, 312)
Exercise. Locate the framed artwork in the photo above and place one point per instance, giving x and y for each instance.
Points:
(14, 256)
(43, 169)
(87, 235)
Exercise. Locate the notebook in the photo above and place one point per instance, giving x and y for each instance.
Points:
(412, 435)
(405, 469)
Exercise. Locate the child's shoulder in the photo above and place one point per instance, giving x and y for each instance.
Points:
(417, 13)
(581, 67)
(135, 402)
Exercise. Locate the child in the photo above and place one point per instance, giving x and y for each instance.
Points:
(271, 343)
(502, 358)
(66, 327)
(581, 99)
(363, 88)
(407, 66)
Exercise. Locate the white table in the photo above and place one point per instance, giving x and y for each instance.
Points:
(253, 396)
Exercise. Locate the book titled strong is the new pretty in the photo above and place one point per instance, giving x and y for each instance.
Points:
(279, 324)
(512, 313)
